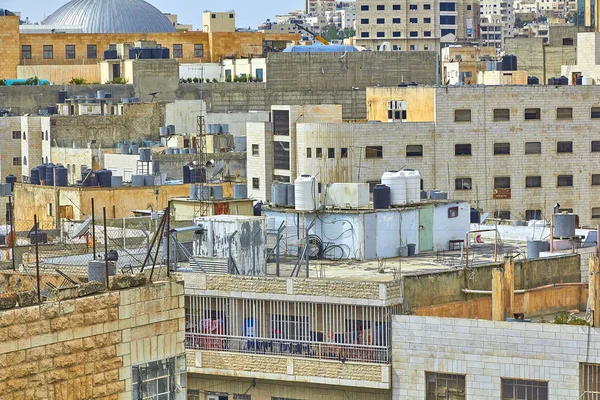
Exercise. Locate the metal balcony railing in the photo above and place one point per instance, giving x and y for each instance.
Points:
(289, 348)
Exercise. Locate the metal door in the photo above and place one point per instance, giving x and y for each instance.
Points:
(426, 229)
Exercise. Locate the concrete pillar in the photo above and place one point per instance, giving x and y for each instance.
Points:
(509, 286)
(497, 294)
(594, 290)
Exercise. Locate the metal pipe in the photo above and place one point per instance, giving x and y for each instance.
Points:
(105, 246)
(168, 238)
(157, 248)
(522, 291)
(467, 251)
(93, 229)
(552, 234)
(13, 236)
(37, 259)
(160, 226)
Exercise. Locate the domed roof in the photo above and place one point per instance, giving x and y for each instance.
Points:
(111, 16)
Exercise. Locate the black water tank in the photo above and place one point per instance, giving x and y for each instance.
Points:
(157, 53)
(146, 54)
(166, 53)
(42, 237)
(110, 54)
(12, 180)
(257, 209)
(62, 176)
(104, 178)
(402, 84)
(42, 168)
(62, 96)
(533, 80)
(563, 80)
(187, 176)
(89, 178)
(34, 177)
(507, 63)
(198, 175)
(51, 110)
(50, 174)
(475, 217)
(579, 80)
(382, 197)
(552, 81)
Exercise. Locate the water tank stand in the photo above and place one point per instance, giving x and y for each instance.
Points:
(144, 167)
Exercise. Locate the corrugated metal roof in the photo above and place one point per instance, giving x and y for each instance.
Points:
(111, 16)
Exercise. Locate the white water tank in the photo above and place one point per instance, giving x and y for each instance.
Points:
(587, 80)
(413, 186)
(306, 193)
(396, 181)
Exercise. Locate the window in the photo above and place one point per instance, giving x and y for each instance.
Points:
(281, 122)
(16, 161)
(198, 50)
(595, 113)
(281, 155)
(447, 20)
(26, 52)
(380, 7)
(444, 386)
(501, 148)
(16, 134)
(565, 180)
(595, 146)
(364, 34)
(469, 7)
(462, 149)
(255, 150)
(413, 20)
(595, 179)
(447, 6)
(48, 52)
(381, 21)
(213, 16)
(502, 214)
(396, 7)
(533, 181)
(70, 52)
(364, 7)
(308, 152)
(462, 184)
(589, 382)
(564, 113)
(564, 147)
(567, 41)
(448, 32)
(414, 150)
(395, 34)
(501, 114)
(331, 152)
(533, 215)
(413, 47)
(502, 182)
(532, 113)
(177, 51)
(230, 15)
(344, 152)
(157, 379)
(380, 34)
(413, 7)
(595, 215)
(92, 51)
(533, 148)
(319, 152)
(426, 6)
(260, 74)
(414, 34)
(426, 20)
(374, 152)
(255, 183)
(518, 389)
(462, 115)
(398, 21)
(364, 21)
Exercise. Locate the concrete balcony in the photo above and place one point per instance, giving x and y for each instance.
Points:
(327, 365)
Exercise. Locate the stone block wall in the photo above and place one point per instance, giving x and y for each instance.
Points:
(84, 348)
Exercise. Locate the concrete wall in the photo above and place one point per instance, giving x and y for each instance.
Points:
(60, 74)
(419, 103)
(84, 348)
(237, 120)
(172, 164)
(184, 115)
(149, 76)
(204, 71)
(487, 351)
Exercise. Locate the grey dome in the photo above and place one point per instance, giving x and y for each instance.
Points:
(111, 16)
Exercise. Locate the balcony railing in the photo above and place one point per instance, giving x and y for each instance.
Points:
(289, 348)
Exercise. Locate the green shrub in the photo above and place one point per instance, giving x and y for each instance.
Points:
(77, 81)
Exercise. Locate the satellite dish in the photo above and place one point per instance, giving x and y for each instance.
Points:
(385, 46)
(218, 169)
(82, 228)
(210, 163)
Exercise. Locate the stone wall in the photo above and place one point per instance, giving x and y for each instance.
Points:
(487, 351)
(84, 348)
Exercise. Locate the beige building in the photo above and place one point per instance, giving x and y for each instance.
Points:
(218, 21)
(497, 22)
(588, 59)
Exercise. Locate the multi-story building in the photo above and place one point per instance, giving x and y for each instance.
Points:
(407, 25)
(497, 16)
(320, 7)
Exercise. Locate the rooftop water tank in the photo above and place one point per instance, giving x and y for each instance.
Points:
(104, 178)
(42, 169)
(50, 174)
(535, 247)
(224, 128)
(279, 194)
(257, 209)
(62, 96)
(216, 192)
(413, 186)
(203, 192)
(306, 193)
(396, 181)
(186, 174)
(198, 175)
(291, 195)
(163, 131)
(137, 180)
(382, 197)
(587, 81)
(564, 225)
(34, 177)
(145, 154)
(193, 192)
(123, 149)
(116, 181)
(89, 178)
(240, 191)
(62, 176)
(134, 149)
(148, 180)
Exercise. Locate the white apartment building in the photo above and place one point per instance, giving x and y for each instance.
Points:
(496, 14)
(409, 25)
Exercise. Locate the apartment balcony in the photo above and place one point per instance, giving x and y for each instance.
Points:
(294, 361)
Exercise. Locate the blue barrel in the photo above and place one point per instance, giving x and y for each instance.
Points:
(12, 180)
(104, 178)
(186, 174)
(257, 209)
(382, 197)
(62, 176)
(34, 177)
(89, 178)
(50, 174)
(42, 168)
